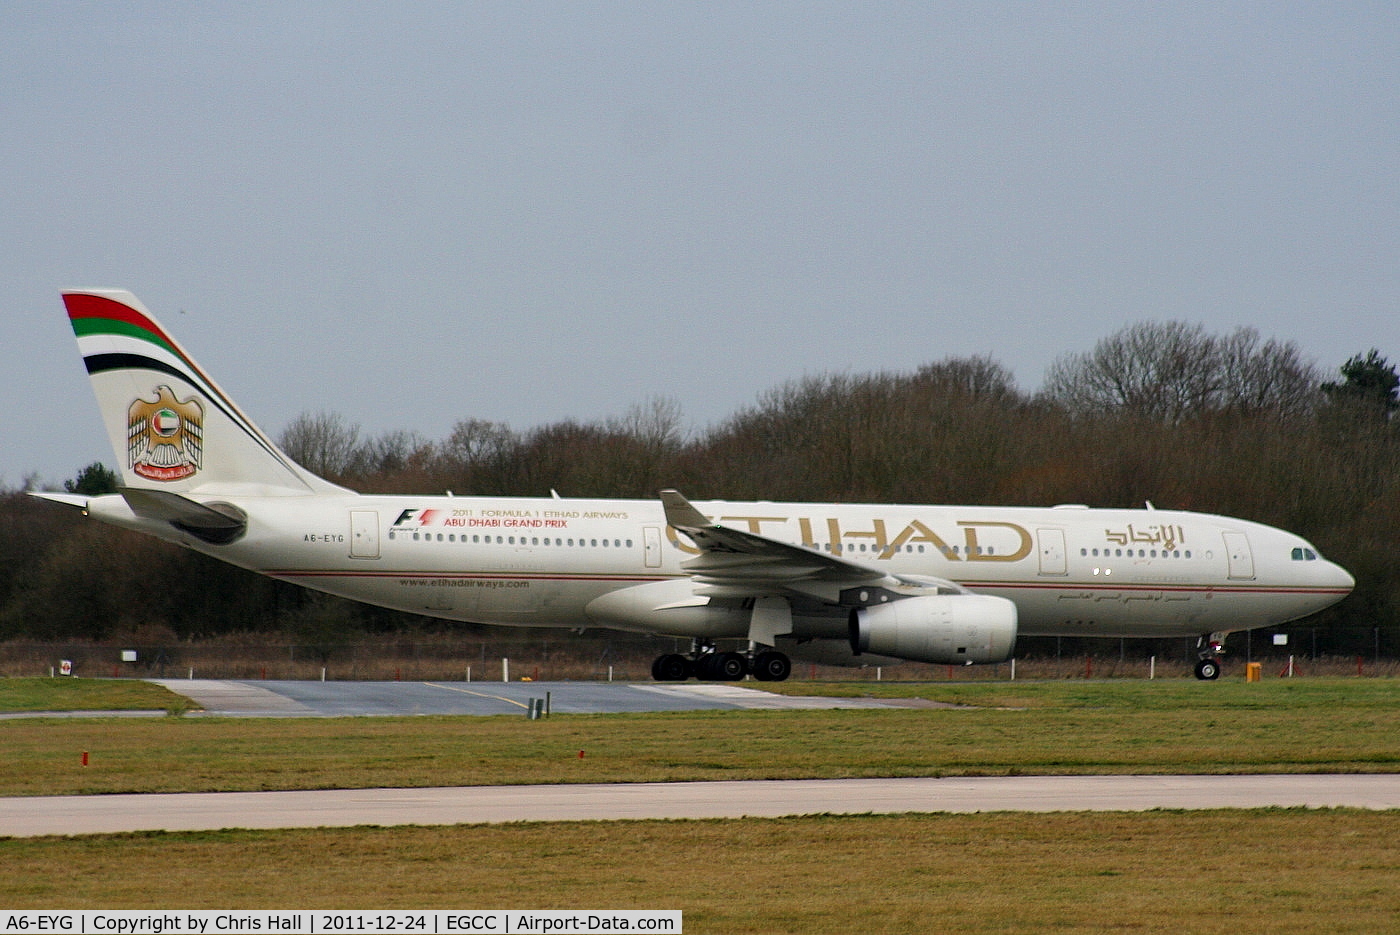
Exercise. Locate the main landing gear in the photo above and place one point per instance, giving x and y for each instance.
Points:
(704, 663)
(1210, 648)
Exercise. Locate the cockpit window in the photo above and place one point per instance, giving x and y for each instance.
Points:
(1304, 555)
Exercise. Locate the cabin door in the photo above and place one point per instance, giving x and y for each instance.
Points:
(364, 534)
(651, 539)
(1241, 559)
(1052, 551)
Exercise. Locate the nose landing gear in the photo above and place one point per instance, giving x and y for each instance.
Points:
(1210, 648)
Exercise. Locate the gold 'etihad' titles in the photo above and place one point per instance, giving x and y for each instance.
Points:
(982, 540)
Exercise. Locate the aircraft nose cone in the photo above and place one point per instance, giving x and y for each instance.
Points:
(1341, 577)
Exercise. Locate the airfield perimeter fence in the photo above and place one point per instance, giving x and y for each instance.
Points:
(562, 656)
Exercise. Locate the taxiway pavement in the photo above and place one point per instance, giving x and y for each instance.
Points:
(70, 815)
(256, 698)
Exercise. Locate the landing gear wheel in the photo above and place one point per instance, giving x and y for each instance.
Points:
(724, 667)
(770, 666)
(672, 667)
(1208, 670)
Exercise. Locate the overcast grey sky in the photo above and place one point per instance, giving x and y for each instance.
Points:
(414, 213)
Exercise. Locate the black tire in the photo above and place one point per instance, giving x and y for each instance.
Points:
(672, 667)
(1208, 670)
(728, 667)
(771, 666)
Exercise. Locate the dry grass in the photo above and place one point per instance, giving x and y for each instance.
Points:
(1171, 872)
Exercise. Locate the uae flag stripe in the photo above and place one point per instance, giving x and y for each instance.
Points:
(98, 327)
(96, 314)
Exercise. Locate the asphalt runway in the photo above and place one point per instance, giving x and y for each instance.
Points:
(69, 815)
(257, 698)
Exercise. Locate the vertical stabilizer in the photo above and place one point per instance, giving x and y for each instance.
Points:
(171, 426)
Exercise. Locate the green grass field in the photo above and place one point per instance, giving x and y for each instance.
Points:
(1279, 870)
(35, 694)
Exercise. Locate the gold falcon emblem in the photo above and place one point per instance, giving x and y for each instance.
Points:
(165, 437)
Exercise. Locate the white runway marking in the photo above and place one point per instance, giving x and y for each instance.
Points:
(756, 699)
(230, 697)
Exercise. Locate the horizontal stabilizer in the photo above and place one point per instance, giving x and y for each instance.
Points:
(215, 522)
(77, 500)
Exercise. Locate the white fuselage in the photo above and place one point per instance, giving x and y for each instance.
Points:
(539, 562)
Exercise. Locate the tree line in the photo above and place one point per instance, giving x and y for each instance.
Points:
(1166, 412)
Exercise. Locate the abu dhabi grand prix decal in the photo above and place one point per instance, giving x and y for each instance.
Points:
(165, 436)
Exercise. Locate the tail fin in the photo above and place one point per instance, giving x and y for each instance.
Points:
(171, 426)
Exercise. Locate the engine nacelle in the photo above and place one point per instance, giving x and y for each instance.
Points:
(832, 653)
(943, 628)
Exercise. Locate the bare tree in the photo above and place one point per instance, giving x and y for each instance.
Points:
(972, 377)
(1169, 371)
(389, 452)
(476, 443)
(1269, 377)
(321, 442)
(656, 424)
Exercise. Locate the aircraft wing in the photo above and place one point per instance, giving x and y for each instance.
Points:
(736, 563)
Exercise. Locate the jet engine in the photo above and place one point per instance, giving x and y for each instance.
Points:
(944, 628)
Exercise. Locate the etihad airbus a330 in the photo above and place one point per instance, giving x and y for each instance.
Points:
(834, 583)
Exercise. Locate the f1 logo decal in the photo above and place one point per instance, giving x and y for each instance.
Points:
(415, 517)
